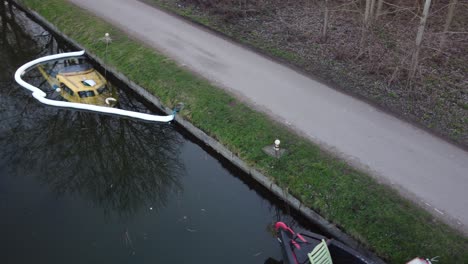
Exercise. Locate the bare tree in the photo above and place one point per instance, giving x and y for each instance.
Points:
(378, 13)
(367, 12)
(366, 25)
(419, 37)
(325, 21)
(372, 9)
(448, 21)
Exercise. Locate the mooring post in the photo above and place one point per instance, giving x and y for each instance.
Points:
(277, 147)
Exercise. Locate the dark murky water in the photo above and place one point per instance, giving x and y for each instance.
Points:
(78, 187)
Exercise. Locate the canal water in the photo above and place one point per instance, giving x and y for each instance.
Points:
(80, 187)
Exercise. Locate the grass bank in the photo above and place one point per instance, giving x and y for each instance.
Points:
(376, 216)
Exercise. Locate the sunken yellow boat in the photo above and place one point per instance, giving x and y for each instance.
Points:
(82, 87)
(81, 83)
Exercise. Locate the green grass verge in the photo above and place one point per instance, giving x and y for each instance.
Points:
(389, 225)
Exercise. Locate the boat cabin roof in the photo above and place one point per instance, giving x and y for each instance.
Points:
(76, 68)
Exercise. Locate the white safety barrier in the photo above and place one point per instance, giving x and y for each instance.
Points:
(41, 96)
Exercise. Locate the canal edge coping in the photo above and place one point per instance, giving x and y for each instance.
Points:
(214, 144)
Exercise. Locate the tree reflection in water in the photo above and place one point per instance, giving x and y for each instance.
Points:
(20, 40)
(119, 164)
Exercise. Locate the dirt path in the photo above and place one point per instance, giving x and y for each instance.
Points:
(425, 168)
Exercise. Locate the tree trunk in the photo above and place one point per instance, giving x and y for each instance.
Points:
(417, 5)
(448, 21)
(367, 12)
(379, 8)
(419, 37)
(372, 10)
(365, 27)
(325, 22)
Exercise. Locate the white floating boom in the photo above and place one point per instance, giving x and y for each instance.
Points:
(41, 96)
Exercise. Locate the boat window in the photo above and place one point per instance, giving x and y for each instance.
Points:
(84, 94)
(102, 89)
(66, 89)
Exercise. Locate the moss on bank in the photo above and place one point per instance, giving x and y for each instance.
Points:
(391, 226)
